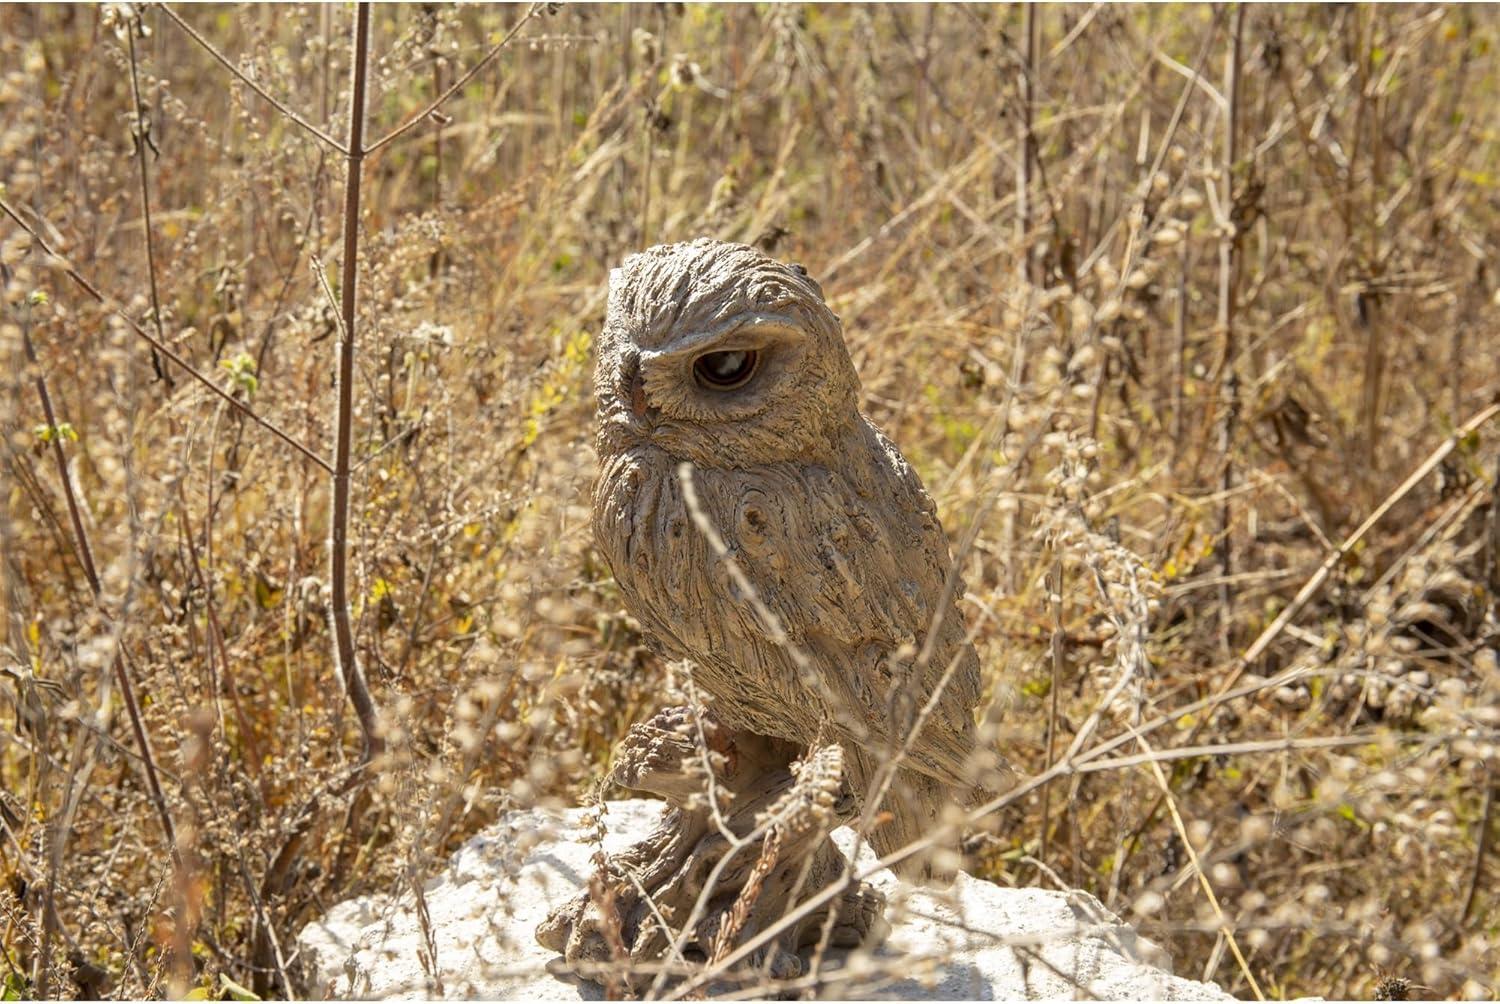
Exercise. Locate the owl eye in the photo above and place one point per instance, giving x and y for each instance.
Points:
(725, 370)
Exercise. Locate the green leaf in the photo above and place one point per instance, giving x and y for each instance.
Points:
(62, 430)
(15, 988)
(266, 595)
(242, 370)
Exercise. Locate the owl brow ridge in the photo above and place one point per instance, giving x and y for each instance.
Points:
(757, 320)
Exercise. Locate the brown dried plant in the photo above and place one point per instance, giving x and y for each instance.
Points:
(1186, 316)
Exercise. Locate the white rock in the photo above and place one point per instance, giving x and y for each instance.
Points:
(975, 941)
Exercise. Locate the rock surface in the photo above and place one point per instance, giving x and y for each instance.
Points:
(975, 941)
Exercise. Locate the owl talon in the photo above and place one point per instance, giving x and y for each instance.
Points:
(780, 809)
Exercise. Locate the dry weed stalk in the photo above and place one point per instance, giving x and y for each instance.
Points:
(343, 428)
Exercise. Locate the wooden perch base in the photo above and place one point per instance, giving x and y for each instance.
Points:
(757, 837)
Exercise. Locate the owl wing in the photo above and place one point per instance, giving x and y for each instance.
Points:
(851, 566)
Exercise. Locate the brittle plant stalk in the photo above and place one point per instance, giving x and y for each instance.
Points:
(112, 305)
(457, 85)
(1228, 274)
(343, 629)
(122, 678)
(1029, 269)
(1059, 634)
(142, 135)
(239, 75)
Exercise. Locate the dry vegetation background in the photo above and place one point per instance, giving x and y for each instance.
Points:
(1164, 360)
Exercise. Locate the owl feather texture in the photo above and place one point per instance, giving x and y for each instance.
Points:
(762, 528)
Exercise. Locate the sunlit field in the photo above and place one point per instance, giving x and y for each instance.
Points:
(1186, 315)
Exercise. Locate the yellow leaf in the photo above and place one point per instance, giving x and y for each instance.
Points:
(235, 992)
(266, 594)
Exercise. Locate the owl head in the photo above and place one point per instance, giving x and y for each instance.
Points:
(723, 356)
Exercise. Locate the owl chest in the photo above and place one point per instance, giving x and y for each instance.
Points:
(786, 551)
(670, 575)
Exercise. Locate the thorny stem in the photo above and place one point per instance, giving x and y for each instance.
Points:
(354, 681)
(110, 304)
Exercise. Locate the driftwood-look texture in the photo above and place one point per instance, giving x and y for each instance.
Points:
(760, 527)
(842, 564)
(780, 811)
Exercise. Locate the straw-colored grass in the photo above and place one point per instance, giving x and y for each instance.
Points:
(1161, 330)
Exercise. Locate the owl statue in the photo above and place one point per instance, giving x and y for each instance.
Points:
(761, 527)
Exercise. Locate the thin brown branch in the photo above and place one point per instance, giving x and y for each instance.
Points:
(142, 136)
(90, 571)
(458, 84)
(1055, 590)
(111, 304)
(343, 629)
(248, 82)
(1481, 846)
(1028, 149)
(1229, 239)
(1254, 746)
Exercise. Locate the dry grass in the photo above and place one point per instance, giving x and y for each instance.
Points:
(1231, 306)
